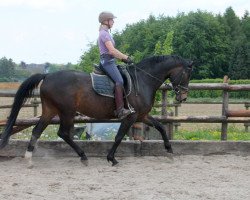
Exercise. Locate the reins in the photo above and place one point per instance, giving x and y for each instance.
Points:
(177, 89)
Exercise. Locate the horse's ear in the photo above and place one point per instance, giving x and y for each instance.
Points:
(190, 64)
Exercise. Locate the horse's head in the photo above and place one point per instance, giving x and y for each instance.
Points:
(159, 68)
(179, 78)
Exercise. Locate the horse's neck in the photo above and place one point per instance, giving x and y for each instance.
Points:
(154, 75)
(145, 82)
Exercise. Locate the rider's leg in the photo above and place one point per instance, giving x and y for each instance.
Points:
(119, 102)
(111, 69)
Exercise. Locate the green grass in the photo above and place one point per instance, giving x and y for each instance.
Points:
(50, 133)
(234, 134)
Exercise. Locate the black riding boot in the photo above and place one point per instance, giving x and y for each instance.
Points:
(121, 112)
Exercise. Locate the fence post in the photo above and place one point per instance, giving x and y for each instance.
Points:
(176, 113)
(247, 105)
(224, 125)
(35, 104)
(169, 126)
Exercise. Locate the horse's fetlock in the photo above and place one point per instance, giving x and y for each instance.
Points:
(30, 148)
(168, 147)
(84, 157)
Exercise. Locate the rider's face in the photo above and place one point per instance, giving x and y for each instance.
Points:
(111, 23)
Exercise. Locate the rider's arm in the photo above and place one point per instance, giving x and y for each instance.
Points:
(114, 52)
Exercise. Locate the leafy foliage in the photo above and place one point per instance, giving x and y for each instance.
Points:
(89, 58)
(7, 68)
(10, 71)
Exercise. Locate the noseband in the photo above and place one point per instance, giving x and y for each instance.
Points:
(179, 88)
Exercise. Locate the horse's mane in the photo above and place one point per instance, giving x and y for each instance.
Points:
(161, 58)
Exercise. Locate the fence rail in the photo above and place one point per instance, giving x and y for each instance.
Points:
(163, 119)
(228, 116)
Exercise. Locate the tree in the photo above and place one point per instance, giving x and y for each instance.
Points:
(141, 38)
(23, 65)
(7, 68)
(89, 58)
(200, 37)
(158, 48)
(246, 25)
(239, 63)
(167, 47)
(69, 66)
(233, 24)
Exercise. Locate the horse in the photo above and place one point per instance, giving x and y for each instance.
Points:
(65, 93)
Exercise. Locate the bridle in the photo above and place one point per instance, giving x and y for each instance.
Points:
(178, 88)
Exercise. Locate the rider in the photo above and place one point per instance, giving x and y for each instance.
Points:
(108, 55)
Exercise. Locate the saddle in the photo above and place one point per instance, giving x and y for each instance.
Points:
(104, 85)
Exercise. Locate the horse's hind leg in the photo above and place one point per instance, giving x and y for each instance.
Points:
(36, 133)
(66, 126)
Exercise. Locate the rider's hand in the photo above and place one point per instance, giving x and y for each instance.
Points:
(128, 60)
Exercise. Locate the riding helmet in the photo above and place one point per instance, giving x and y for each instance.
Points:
(103, 16)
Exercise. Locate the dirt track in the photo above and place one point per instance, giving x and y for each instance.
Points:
(187, 177)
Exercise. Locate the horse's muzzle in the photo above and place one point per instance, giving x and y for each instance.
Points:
(183, 100)
(181, 97)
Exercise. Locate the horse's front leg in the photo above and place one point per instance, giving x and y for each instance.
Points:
(124, 127)
(149, 120)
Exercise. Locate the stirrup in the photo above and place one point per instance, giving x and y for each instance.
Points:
(122, 113)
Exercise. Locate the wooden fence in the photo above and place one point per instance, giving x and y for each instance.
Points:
(228, 116)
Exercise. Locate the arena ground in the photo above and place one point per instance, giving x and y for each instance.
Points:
(145, 178)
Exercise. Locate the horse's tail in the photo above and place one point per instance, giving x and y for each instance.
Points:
(24, 92)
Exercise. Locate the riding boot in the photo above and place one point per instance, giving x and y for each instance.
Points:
(121, 112)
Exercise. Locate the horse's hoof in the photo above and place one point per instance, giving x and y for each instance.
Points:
(170, 150)
(85, 161)
(113, 160)
(30, 166)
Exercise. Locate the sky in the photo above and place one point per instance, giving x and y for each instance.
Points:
(59, 31)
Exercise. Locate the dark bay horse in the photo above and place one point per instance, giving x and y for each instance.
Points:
(65, 93)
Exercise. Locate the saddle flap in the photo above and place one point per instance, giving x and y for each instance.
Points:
(104, 86)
